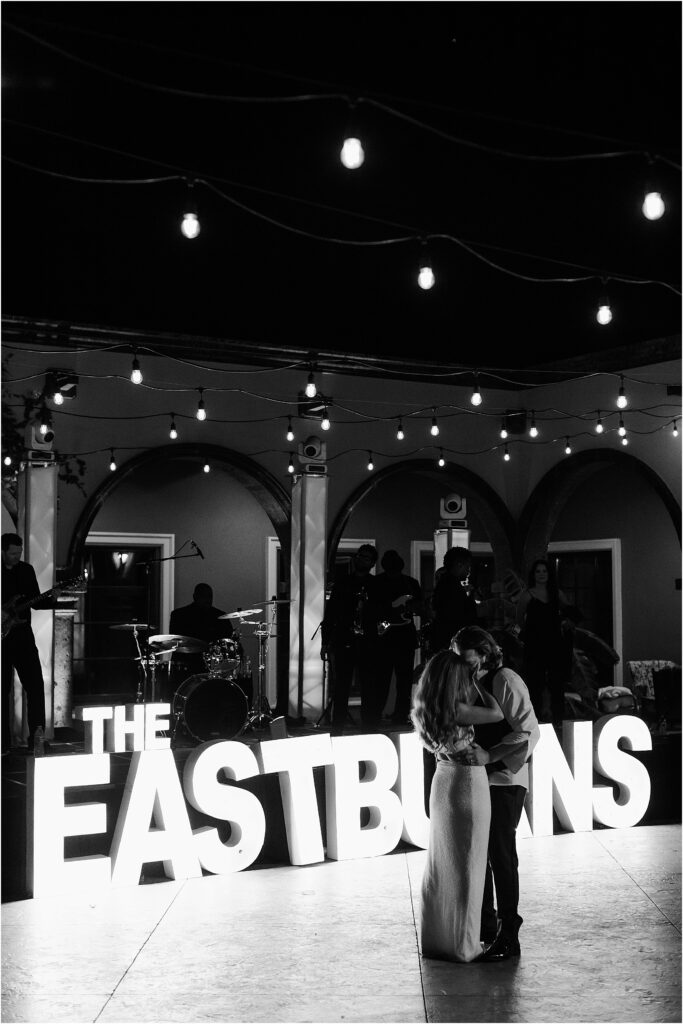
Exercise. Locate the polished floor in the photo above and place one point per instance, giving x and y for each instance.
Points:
(338, 941)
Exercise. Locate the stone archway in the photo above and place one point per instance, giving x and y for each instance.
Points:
(491, 510)
(268, 491)
(543, 508)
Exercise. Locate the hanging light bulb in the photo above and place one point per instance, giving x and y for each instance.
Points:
(400, 433)
(653, 205)
(604, 313)
(622, 428)
(290, 432)
(475, 398)
(112, 464)
(207, 467)
(290, 467)
(44, 421)
(504, 428)
(434, 429)
(352, 153)
(506, 454)
(622, 400)
(136, 372)
(311, 390)
(533, 429)
(190, 226)
(173, 433)
(624, 440)
(325, 421)
(442, 462)
(598, 426)
(58, 398)
(7, 460)
(201, 410)
(425, 277)
(371, 464)
(675, 429)
(568, 447)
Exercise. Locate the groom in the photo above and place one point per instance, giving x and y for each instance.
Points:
(504, 749)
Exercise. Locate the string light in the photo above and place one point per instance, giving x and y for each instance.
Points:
(604, 313)
(442, 461)
(207, 467)
(290, 432)
(44, 421)
(598, 426)
(622, 400)
(675, 429)
(290, 467)
(568, 447)
(7, 460)
(434, 429)
(352, 153)
(504, 428)
(400, 433)
(506, 454)
(425, 277)
(624, 440)
(622, 428)
(311, 390)
(173, 433)
(112, 464)
(371, 464)
(136, 372)
(325, 421)
(201, 410)
(533, 429)
(653, 205)
(190, 226)
(476, 398)
(58, 398)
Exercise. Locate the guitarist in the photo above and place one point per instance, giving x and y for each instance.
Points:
(400, 598)
(19, 649)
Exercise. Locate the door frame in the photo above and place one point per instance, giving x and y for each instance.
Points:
(164, 541)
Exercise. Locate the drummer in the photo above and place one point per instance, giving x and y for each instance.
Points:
(201, 621)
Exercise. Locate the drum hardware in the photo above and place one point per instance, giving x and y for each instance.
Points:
(135, 626)
(223, 656)
(173, 643)
(241, 613)
(260, 715)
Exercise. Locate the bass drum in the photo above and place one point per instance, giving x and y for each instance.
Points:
(211, 707)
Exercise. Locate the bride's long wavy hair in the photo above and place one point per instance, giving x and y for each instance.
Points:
(444, 680)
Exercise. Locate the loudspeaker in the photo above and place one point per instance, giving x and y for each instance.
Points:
(37, 442)
(312, 450)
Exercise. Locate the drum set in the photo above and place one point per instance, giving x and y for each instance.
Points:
(212, 704)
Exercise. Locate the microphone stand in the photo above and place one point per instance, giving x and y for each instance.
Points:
(142, 694)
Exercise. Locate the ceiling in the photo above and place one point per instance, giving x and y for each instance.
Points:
(538, 79)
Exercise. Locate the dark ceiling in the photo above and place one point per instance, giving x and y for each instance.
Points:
(540, 79)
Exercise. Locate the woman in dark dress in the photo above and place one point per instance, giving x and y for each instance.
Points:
(547, 645)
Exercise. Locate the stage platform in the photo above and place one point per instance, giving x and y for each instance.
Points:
(339, 941)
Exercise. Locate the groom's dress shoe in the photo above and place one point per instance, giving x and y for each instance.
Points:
(502, 948)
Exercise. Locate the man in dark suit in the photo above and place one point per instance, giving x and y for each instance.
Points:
(399, 598)
(453, 607)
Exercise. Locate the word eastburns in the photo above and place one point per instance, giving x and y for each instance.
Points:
(391, 787)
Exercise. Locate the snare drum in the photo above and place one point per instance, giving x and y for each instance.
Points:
(222, 657)
(211, 707)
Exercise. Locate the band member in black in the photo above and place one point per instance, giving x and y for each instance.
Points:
(453, 607)
(201, 621)
(349, 639)
(400, 598)
(19, 651)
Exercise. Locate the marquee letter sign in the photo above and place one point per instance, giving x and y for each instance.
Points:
(381, 776)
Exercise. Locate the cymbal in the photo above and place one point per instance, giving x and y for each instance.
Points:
(174, 642)
(241, 614)
(280, 600)
(133, 625)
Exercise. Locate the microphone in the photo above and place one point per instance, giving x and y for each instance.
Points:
(196, 549)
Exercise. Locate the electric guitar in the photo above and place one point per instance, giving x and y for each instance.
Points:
(406, 617)
(13, 609)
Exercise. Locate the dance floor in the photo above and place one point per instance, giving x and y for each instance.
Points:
(339, 941)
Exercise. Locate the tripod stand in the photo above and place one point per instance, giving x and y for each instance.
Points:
(260, 715)
(326, 712)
